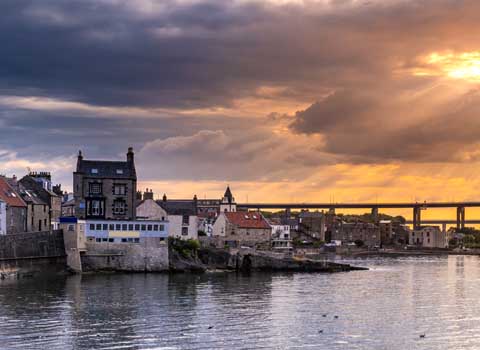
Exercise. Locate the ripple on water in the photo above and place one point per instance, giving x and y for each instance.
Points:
(387, 307)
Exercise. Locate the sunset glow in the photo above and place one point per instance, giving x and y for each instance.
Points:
(465, 66)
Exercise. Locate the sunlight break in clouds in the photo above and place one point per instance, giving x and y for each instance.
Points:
(465, 66)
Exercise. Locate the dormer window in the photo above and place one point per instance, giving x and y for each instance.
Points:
(94, 171)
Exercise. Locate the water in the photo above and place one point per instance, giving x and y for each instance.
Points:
(387, 307)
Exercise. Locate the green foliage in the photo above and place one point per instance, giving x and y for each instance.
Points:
(318, 244)
(201, 233)
(186, 248)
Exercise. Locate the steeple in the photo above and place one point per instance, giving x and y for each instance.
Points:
(228, 195)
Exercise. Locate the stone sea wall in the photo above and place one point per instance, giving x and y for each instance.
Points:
(32, 253)
(149, 255)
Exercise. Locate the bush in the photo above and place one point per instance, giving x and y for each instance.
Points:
(185, 248)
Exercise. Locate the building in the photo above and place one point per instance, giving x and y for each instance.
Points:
(38, 211)
(36, 189)
(213, 207)
(3, 217)
(363, 233)
(181, 214)
(242, 228)
(281, 238)
(429, 237)
(312, 224)
(105, 190)
(182, 217)
(386, 232)
(123, 231)
(16, 208)
(228, 204)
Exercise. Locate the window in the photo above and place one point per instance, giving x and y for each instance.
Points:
(130, 227)
(95, 208)
(92, 227)
(71, 228)
(162, 227)
(119, 171)
(124, 240)
(105, 227)
(163, 218)
(124, 227)
(95, 188)
(136, 240)
(118, 227)
(104, 239)
(184, 231)
(155, 227)
(137, 227)
(185, 219)
(119, 190)
(119, 207)
(99, 227)
(144, 227)
(94, 171)
(111, 227)
(98, 239)
(149, 227)
(110, 240)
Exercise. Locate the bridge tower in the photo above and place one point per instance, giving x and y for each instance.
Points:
(375, 214)
(460, 218)
(417, 217)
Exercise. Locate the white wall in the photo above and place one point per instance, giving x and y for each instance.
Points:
(3, 218)
(175, 226)
(150, 210)
(219, 225)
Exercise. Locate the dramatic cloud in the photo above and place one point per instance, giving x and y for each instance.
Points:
(300, 96)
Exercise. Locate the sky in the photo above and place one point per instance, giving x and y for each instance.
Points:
(286, 100)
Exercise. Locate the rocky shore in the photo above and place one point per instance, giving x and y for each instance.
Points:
(205, 259)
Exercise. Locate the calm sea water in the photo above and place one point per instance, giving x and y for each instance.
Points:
(387, 307)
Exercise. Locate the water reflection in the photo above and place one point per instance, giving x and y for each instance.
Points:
(387, 307)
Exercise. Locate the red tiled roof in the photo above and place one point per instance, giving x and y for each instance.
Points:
(8, 195)
(247, 219)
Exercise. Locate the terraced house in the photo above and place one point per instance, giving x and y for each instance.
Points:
(105, 190)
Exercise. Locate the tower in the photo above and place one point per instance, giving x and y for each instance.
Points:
(227, 203)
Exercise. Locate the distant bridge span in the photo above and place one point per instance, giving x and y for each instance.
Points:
(417, 207)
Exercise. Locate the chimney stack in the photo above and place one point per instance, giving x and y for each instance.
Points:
(148, 194)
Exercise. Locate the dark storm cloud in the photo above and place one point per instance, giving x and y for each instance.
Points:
(207, 53)
(353, 58)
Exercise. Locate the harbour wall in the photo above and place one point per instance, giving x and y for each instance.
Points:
(32, 253)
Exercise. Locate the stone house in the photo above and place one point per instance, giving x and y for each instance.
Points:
(429, 237)
(36, 188)
(15, 208)
(351, 232)
(105, 189)
(38, 211)
(312, 224)
(242, 228)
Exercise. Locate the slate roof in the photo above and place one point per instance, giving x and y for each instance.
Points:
(31, 197)
(106, 168)
(247, 219)
(9, 195)
(178, 207)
